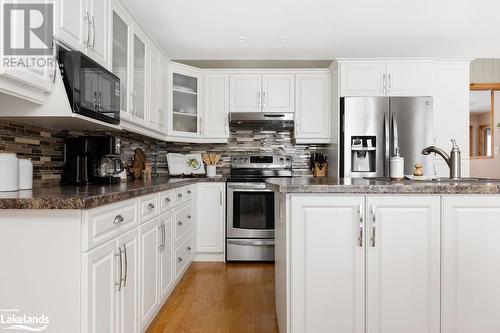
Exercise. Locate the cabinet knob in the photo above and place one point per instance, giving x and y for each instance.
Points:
(118, 219)
(167, 200)
(189, 248)
(189, 192)
(189, 216)
(179, 195)
(179, 259)
(151, 206)
(179, 223)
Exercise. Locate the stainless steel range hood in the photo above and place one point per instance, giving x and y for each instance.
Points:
(261, 120)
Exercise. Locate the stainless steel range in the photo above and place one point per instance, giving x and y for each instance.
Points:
(250, 206)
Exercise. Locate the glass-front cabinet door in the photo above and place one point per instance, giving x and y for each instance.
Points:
(184, 101)
(138, 93)
(120, 59)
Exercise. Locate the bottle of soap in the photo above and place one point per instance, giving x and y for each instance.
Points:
(397, 166)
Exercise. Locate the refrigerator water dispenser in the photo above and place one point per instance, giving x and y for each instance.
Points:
(363, 149)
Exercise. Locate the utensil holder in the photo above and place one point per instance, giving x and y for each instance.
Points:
(317, 172)
(211, 170)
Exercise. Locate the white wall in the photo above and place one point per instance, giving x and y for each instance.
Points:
(489, 168)
(451, 82)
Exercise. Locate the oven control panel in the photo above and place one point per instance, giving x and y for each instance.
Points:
(261, 161)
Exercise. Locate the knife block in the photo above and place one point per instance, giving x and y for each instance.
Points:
(317, 172)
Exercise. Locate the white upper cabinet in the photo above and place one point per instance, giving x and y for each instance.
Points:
(71, 23)
(245, 93)
(120, 55)
(261, 93)
(138, 78)
(216, 106)
(327, 290)
(362, 79)
(154, 88)
(398, 78)
(312, 108)
(185, 101)
(162, 91)
(403, 264)
(471, 265)
(278, 93)
(84, 25)
(409, 79)
(97, 48)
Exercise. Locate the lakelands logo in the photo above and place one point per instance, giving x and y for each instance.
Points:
(28, 34)
(13, 319)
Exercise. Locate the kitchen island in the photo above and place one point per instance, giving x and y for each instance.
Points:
(356, 255)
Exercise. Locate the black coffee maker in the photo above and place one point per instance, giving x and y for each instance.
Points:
(92, 160)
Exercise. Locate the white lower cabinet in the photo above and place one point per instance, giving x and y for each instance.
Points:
(128, 296)
(150, 236)
(100, 280)
(327, 264)
(166, 279)
(110, 284)
(346, 260)
(471, 264)
(403, 264)
(211, 212)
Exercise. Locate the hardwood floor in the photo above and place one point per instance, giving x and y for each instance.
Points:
(221, 298)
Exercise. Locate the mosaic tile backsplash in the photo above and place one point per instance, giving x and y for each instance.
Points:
(45, 147)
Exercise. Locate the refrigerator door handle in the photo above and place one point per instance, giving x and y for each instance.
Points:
(387, 148)
(395, 140)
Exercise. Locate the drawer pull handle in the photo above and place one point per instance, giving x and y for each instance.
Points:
(189, 248)
(179, 195)
(179, 223)
(189, 216)
(118, 219)
(151, 206)
(179, 259)
(167, 200)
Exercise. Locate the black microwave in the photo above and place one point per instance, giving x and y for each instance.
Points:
(93, 91)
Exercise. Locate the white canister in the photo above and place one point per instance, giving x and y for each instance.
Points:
(25, 174)
(211, 170)
(9, 172)
(397, 166)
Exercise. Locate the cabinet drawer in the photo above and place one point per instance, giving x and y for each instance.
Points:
(104, 223)
(166, 201)
(149, 207)
(183, 194)
(183, 217)
(183, 255)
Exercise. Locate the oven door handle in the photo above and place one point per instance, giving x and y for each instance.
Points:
(269, 242)
(250, 190)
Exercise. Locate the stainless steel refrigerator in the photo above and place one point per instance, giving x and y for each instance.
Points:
(372, 127)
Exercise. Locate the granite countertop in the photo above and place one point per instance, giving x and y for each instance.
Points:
(365, 186)
(90, 196)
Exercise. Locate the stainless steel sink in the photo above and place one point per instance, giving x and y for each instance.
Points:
(465, 180)
(441, 180)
